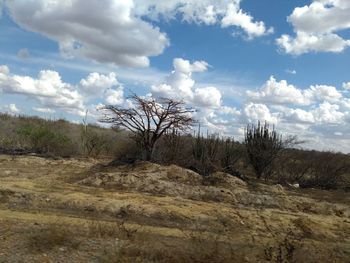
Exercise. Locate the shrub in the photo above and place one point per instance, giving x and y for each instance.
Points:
(293, 166)
(230, 153)
(45, 140)
(327, 170)
(263, 146)
(93, 143)
(205, 153)
(51, 236)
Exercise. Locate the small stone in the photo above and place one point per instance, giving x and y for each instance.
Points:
(62, 249)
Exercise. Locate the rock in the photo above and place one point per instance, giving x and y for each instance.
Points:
(279, 187)
(62, 249)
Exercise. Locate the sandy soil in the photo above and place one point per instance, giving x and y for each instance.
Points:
(82, 211)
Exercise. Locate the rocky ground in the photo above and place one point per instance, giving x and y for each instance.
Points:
(83, 211)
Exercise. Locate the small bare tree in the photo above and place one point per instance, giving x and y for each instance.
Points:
(149, 119)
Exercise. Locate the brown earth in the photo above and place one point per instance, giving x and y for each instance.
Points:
(81, 211)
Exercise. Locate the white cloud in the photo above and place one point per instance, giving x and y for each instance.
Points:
(280, 92)
(95, 83)
(302, 116)
(328, 113)
(44, 110)
(52, 93)
(112, 35)
(236, 17)
(114, 97)
(120, 32)
(291, 71)
(316, 27)
(259, 112)
(346, 85)
(11, 109)
(207, 97)
(323, 93)
(226, 13)
(181, 85)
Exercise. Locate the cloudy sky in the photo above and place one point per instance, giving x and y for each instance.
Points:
(236, 61)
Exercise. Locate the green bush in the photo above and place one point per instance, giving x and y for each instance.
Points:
(44, 139)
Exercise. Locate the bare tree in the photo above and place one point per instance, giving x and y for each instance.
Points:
(149, 119)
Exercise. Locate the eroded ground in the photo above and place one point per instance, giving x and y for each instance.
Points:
(81, 211)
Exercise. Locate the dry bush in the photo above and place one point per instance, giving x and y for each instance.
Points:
(51, 236)
(327, 170)
(205, 154)
(95, 142)
(284, 250)
(126, 150)
(174, 148)
(292, 166)
(230, 153)
(193, 247)
(117, 229)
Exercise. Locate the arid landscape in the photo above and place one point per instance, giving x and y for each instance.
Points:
(178, 131)
(83, 210)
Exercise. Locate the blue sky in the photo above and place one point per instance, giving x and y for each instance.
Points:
(286, 62)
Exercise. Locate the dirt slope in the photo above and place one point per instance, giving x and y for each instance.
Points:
(79, 211)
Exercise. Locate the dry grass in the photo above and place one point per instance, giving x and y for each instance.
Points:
(50, 236)
(84, 220)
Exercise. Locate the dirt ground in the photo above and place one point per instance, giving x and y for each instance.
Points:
(83, 211)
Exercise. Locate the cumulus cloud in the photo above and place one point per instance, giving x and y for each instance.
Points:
(112, 35)
(11, 108)
(236, 17)
(317, 28)
(319, 114)
(181, 85)
(346, 85)
(254, 112)
(226, 13)
(280, 92)
(300, 116)
(53, 93)
(207, 100)
(48, 88)
(323, 93)
(121, 32)
(96, 83)
(328, 113)
(114, 96)
(207, 97)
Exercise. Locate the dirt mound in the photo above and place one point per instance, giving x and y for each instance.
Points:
(175, 181)
(168, 180)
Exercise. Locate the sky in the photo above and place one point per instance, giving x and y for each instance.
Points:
(235, 61)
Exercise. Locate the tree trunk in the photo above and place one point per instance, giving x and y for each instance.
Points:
(147, 153)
